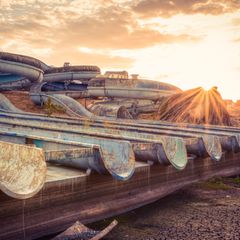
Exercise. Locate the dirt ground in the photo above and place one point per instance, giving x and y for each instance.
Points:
(23, 101)
(209, 210)
(203, 211)
(235, 114)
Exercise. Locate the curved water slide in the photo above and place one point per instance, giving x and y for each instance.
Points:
(106, 87)
(211, 137)
(199, 142)
(70, 73)
(112, 146)
(16, 68)
(68, 80)
(148, 91)
(19, 71)
(70, 106)
(130, 88)
(133, 96)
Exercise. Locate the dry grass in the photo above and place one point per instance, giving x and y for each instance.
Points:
(214, 184)
(195, 106)
(234, 111)
(23, 101)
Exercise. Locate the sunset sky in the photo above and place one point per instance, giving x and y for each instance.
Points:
(188, 43)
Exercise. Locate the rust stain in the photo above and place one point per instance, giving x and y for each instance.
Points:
(22, 170)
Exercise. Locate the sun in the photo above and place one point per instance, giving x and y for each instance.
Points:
(211, 61)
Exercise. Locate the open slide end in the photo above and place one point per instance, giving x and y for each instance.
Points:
(118, 159)
(17, 68)
(213, 147)
(174, 152)
(22, 170)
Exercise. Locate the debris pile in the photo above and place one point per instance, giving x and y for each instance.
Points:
(81, 232)
(195, 106)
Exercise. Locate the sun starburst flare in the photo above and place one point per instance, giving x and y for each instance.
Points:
(195, 106)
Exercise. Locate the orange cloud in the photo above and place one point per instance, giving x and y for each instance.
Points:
(167, 8)
(82, 58)
(58, 26)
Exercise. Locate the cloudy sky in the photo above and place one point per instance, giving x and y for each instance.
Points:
(185, 42)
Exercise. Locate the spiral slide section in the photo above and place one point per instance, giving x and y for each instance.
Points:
(71, 73)
(19, 71)
(18, 68)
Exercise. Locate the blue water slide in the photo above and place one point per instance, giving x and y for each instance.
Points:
(17, 69)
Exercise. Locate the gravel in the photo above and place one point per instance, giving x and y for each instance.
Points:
(197, 212)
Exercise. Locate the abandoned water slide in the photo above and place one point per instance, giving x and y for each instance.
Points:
(56, 171)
